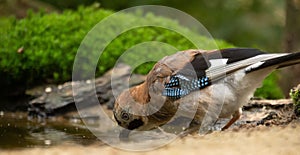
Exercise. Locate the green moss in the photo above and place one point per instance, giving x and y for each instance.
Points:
(270, 88)
(295, 95)
(50, 43)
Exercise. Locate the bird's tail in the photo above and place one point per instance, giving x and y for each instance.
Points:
(279, 62)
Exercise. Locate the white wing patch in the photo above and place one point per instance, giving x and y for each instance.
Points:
(218, 62)
(251, 67)
(215, 73)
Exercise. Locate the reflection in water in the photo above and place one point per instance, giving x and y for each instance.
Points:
(17, 131)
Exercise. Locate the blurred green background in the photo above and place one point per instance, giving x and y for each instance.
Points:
(251, 23)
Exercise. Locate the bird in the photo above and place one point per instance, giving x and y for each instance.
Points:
(223, 79)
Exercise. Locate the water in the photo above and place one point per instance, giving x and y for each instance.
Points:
(18, 131)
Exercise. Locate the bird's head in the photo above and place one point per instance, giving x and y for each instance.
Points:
(133, 109)
(127, 112)
(143, 107)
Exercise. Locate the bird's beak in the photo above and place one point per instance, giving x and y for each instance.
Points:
(124, 135)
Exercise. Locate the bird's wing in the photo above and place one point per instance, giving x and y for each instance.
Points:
(160, 74)
(200, 62)
(203, 67)
(191, 70)
(242, 59)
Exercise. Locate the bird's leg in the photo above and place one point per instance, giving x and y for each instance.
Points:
(189, 130)
(236, 115)
(193, 127)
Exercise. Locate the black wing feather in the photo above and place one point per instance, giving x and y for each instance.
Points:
(238, 54)
(283, 61)
(201, 63)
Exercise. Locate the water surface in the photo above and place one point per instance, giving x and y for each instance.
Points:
(19, 131)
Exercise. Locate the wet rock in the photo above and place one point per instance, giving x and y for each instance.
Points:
(60, 99)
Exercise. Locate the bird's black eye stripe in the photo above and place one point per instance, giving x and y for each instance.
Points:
(135, 124)
(116, 118)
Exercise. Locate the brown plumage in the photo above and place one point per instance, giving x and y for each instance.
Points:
(234, 74)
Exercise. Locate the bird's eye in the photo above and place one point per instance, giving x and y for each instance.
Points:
(124, 116)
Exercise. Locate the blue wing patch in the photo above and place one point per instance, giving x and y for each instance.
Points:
(180, 86)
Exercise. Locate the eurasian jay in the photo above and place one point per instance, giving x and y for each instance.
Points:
(222, 79)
